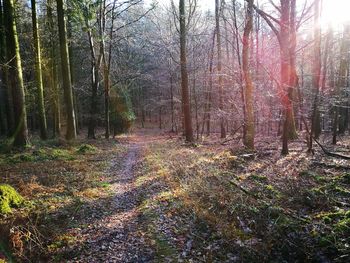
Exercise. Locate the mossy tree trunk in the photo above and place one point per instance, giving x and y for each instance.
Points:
(15, 80)
(38, 74)
(66, 76)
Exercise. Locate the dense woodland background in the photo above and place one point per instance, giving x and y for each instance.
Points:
(258, 89)
(258, 68)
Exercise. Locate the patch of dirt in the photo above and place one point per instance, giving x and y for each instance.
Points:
(119, 236)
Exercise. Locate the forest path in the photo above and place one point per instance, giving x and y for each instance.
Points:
(119, 237)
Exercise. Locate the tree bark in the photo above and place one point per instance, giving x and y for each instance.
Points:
(66, 76)
(315, 117)
(341, 80)
(56, 109)
(20, 136)
(94, 87)
(38, 74)
(184, 74)
(249, 88)
(219, 68)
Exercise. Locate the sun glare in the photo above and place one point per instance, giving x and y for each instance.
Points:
(335, 13)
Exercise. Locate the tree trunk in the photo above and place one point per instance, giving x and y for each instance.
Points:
(72, 76)
(342, 80)
(38, 75)
(249, 88)
(56, 111)
(315, 117)
(184, 74)
(171, 104)
(238, 53)
(288, 74)
(94, 87)
(66, 77)
(3, 75)
(20, 136)
(219, 68)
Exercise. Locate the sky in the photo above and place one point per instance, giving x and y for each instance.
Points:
(334, 12)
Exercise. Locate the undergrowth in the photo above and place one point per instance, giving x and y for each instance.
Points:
(59, 184)
(264, 210)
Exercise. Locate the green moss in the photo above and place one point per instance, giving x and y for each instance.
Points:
(9, 198)
(60, 154)
(86, 148)
(19, 158)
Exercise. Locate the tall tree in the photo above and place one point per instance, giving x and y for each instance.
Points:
(3, 87)
(38, 74)
(285, 32)
(316, 74)
(184, 74)
(66, 76)
(249, 88)
(20, 136)
(341, 81)
(219, 66)
(52, 67)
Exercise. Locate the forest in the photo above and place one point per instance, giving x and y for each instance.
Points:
(175, 131)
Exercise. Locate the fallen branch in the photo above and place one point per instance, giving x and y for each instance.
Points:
(332, 154)
(257, 198)
(328, 165)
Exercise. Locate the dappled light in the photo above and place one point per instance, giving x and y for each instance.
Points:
(141, 131)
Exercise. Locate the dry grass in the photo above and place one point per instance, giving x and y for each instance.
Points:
(56, 181)
(266, 206)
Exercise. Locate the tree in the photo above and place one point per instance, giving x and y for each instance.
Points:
(38, 75)
(66, 76)
(286, 36)
(15, 80)
(219, 66)
(341, 81)
(316, 70)
(184, 74)
(249, 88)
(52, 71)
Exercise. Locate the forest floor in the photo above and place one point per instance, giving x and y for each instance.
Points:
(146, 197)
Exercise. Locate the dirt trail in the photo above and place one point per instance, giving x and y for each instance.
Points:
(118, 237)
